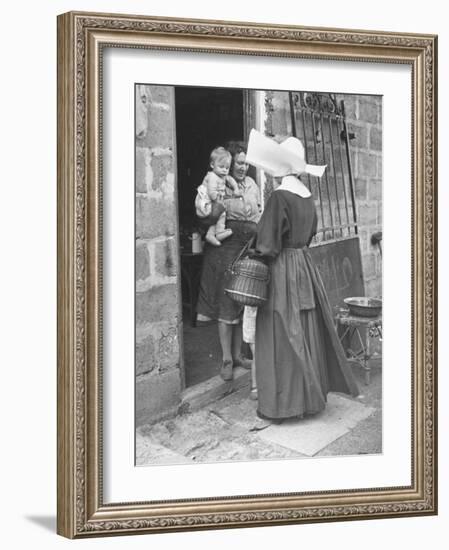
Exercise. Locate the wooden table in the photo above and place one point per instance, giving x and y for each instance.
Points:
(363, 329)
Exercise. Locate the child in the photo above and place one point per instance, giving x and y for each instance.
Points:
(211, 194)
(249, 336)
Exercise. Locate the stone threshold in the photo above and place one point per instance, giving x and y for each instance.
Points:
(198, 396)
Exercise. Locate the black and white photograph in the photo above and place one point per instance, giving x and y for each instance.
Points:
(258, 274)
(223, 238)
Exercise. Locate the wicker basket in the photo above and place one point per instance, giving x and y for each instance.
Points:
(248, 280)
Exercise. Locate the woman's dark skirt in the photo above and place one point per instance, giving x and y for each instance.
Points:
(213, 302)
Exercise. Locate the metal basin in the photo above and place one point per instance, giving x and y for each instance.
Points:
(362, 306)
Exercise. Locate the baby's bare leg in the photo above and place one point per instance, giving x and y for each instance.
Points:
(221, 232)
(211, 236)
(221, 223)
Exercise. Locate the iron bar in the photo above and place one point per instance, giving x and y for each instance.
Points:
(343, 176)
(316, 162)
(292, 114)
(326, 176)
(348, 155)
(342, 226)
(334, 170)
(306, 151)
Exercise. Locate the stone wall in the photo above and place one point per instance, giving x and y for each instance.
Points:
(158, 372)
(364, 120)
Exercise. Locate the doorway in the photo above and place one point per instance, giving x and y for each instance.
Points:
(205, 118)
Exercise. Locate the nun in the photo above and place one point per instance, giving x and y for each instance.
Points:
(298, 354)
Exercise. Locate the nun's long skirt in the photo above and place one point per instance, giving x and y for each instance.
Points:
(299, 358)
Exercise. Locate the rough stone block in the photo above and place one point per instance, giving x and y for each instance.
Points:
(162, 94)
(379, 166)
(146, 355)
(281, 125)
(360, 186)
(363, 239)
(366, 165)
(373, 287)
(157, 347)
(162, 165)
(369, 265)
(379, 215)
(280, 100)
(368, 110)
(379, 265)
(166, 261)
(375, 190)
(156, 395)
(143, 102)
(361, 135)
(367, 214)
(142, 261)
(160, 127)
(168, 353)
(144, 173)
(155, 217)
(375, 139)
(351, 106)
(158, 304)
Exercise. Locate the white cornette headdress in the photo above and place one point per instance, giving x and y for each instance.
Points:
(279, 159)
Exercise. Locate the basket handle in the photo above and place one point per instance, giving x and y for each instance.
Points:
(243, 251)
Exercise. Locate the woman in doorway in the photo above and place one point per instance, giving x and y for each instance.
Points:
(242, 214)
(299, 358)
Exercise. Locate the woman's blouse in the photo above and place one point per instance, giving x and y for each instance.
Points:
(288, 221)
(247, 207)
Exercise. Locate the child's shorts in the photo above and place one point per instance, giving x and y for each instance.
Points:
(249, 324)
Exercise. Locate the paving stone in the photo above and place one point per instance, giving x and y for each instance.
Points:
(150, 452)
(309, 435)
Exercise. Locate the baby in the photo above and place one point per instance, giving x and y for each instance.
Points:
(211, 193)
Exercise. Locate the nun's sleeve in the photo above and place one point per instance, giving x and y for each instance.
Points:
(314, 228)
(272, 226)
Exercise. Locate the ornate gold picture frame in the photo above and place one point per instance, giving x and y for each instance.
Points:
(82, 509)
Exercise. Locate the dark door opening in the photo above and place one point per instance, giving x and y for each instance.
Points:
(205, 118)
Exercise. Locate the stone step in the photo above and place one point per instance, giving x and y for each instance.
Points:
(207, 392)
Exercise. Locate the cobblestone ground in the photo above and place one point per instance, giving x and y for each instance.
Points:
(228, 430)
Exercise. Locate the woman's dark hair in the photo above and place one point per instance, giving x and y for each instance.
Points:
(235, 148)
